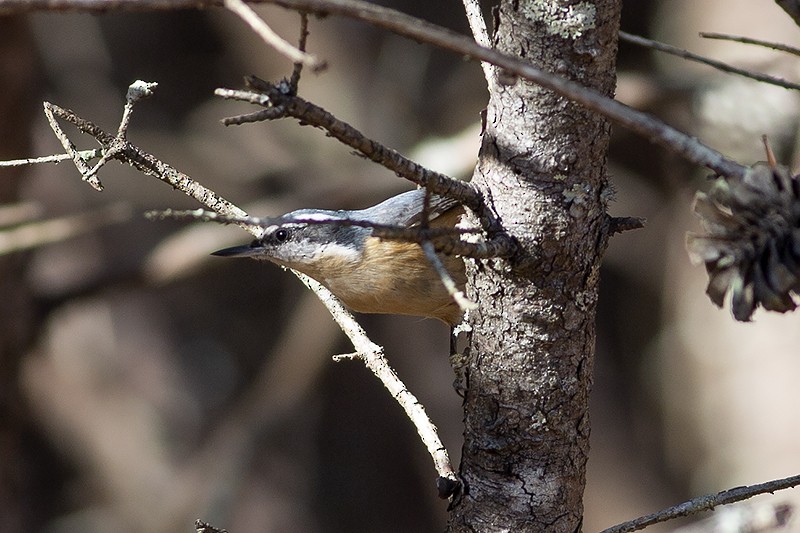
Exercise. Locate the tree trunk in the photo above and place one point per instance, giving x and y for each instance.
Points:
(529, 367)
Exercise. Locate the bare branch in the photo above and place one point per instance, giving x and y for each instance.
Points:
(750, 517)
(203, 527)
(279, 102)
(140, 160)
(457, 295)
(477, 24)
(705, 503)
(294, 80)
(749, 40)
(277, 99)
(371, 354)
(423, 31)
(72, 152)
(719, 65)
(271, 38)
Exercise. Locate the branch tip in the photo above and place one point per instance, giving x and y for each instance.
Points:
(139, 90)
(623, 224)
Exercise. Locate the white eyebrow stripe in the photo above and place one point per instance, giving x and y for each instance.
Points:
(340, 251)
(318, 217)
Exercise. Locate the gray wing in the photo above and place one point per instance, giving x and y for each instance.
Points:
(405, 209)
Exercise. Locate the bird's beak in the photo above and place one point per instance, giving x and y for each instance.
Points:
(254, 249)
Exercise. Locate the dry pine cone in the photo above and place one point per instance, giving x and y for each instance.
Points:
(751, 248)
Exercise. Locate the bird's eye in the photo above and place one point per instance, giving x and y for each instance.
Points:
(281, 235)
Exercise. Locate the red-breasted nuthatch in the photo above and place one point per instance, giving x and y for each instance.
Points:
(368, 274)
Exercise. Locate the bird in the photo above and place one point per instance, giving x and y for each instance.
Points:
(367, 273)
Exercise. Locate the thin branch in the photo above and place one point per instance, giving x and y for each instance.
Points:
(643, 124)
(750, 517)
(719, 65)
(276, 97)
(140, 160)
(136, 91)
(458, 296)
(280, 103)
(705, 503)
(372, 356)
(203, 527)
(86, 155)
(423, 31)
(72, 152)
(371, 353)
(294, 80)
(477, 25)
(749, 40)
(271, 38)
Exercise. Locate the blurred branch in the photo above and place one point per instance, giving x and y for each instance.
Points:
(123, 150)
(719, 65)
(37, 233)
(749, 40)
(423, 31)
(745, 518)
(477, 25)
(705, 503)
(272, 39)
(792, 8)
(420, 30)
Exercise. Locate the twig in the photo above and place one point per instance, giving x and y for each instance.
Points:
(203, 527)
(781, 47)
(749, 517)
(294, 80)
(86, 155)
(271, 38)
(138, 90)
(719, 65)
(423, 31)
(279, 103)
(771, 160)
(371, 353)
(457, 295)
(372, 356)
(477, 25)
(140, 160)
(705, 503)
(276, 97)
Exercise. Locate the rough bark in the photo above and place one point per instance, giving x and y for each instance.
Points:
(529, 368)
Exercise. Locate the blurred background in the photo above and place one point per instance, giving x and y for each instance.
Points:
(144, 384)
